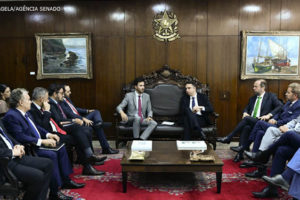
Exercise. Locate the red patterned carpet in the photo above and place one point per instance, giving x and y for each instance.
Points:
(168, 186)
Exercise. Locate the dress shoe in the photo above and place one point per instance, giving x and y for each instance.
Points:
(94, 159)
(259, 157)
(110, 151)
(238, 157)
(73, 185)
(98, 163)
(247, 164)
(90, 170)
(267, 192)
(277, 180)
(237, 149)
(256, 173)
(223, 140)
(60, 196)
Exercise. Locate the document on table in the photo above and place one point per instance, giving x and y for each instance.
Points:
(191, 145)
(141, 145)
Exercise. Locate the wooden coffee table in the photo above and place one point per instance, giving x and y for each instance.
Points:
(165, 157)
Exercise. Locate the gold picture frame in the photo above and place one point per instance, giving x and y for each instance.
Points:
(64, 55)
(270, 55)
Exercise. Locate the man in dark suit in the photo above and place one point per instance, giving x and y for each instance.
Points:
(262, 106)
(71, 135)
(283, 149)
(89, 118)
(33, 172)
(194, 109)
(290, 111)
(21, 126)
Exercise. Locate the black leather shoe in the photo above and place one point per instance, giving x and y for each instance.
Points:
(60, 196)
(110, 151)
(278, 181)
(94, 159)
(259, 157)
(248, 164)
(257, 173)
(267, 192)
(73, 185)
(90, 170)
(238, 157)
(237, 149)
(223, 140)
(98, 163)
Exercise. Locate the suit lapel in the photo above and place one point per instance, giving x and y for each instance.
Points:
(143, 102)
(134, 100)
(264, 100)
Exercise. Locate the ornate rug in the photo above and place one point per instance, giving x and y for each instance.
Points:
(170, 186)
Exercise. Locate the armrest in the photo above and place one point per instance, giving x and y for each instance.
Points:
(12, 179)
(213, 118)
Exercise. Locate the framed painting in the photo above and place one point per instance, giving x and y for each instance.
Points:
(270, 55)
(64, 55)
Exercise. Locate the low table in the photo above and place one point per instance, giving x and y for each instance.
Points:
(165, 157)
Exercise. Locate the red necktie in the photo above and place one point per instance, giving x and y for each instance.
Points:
(59, 130)
(62, 112)
(72, 107)
(140, 109)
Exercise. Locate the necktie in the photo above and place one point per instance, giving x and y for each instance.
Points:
(32, 126)
(61, 110)
(256, 107)
(58, 129)
(6, 137)
(140, 108)
(193, 102)
(72, 107)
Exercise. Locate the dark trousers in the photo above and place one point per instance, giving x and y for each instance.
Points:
(95, 116)
(35, 173)
(192, 122)
(62, 167)
(283, 149)
(244, 127)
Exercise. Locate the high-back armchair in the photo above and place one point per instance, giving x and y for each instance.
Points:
(166, 87)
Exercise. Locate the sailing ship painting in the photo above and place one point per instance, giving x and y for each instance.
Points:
(272, 55)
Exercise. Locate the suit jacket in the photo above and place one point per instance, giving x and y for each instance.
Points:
(17, 126)
(42, 119)
(129, 101)
(68, 110)
(202, 101)
(56, 113)
(294, 164)
(270, 104)
(287, 113)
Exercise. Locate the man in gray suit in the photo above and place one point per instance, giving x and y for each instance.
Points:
(139, 111)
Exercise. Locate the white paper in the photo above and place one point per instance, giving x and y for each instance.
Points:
(191, 145)
(168, 123)
(141, 145)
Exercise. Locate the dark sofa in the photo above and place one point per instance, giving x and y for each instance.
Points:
(166, 87)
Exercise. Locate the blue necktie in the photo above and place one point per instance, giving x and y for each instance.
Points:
(32, 126)
(193, 102)
(2, 132)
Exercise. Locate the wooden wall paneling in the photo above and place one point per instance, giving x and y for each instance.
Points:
(223, 17)
(130, 10)
(182, 55)
(290, 15)
(144, 14)
(201, 66)
(82, 14)
(108, 18)
(254, 15)
(222, 76)
(275, 15)
(130, 56)
(186, 15)
(282, 87)
(201, 17)
(150, 55)
(109, 80)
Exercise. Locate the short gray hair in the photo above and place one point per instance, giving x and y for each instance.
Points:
(295, 89)
(38, 92)
(15, 97)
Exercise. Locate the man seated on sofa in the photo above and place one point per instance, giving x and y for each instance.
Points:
(194, 108)
(139, 110)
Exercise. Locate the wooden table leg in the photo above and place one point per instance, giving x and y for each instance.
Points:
(219, 181)
(124, 181)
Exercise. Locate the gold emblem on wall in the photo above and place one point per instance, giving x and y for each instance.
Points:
(165, 26)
